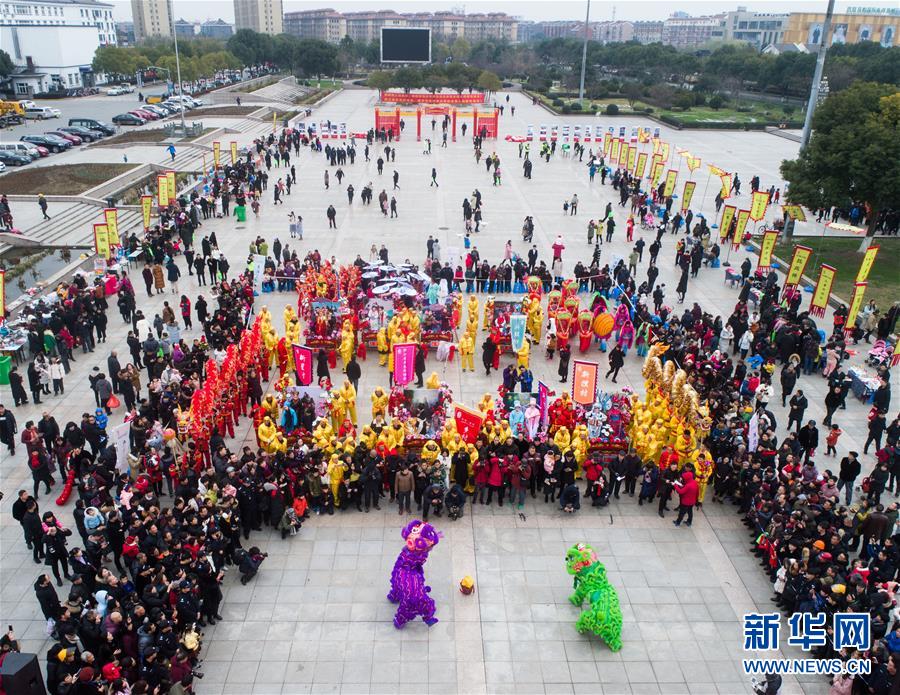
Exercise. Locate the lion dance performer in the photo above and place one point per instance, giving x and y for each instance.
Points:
(604, 617)
(408, 587)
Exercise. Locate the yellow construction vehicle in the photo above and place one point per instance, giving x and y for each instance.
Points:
(11, 107)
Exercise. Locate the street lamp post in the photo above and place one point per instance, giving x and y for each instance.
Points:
(181, 88)
(817, 76)
(587, 19)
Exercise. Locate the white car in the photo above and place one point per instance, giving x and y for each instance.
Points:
(114, 92)
(2, 167)
(56, 112)
(126, 88)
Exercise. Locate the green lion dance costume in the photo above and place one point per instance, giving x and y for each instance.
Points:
(604, 617)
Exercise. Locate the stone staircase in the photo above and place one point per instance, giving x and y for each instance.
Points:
(73, 226)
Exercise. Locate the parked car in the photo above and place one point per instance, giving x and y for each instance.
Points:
(41, 113)
(128, 119)
(25, 148)
(93, 124)
(53, 144)
(146, 115)
(170, 109)
(2, 167)
(162, 113)
(114, 92)
(74, 139)
(11, 119)
(85, 134)
(126, 88)
(14, 159)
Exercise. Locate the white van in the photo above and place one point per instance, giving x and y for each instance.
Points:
(25, 148)
(41, 112)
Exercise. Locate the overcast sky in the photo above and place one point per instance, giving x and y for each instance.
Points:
(525, 9)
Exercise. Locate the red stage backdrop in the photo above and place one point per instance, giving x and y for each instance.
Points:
(428, 98)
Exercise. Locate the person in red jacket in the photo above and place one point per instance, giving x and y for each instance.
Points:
(687, 489)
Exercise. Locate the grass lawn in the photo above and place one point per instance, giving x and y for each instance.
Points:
(148, 135)
(63, 179)
(222, 111)
(323, 84)
(842, 253)
(313, 96)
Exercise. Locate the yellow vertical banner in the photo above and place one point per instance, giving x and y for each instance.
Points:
(233, 152)
(173, 187)
(693, 163)
(146, 209)
(641, 165)
(671, 177)
(859, 291)
(742, 217)
(656, 144)
(217, 151)
(112, 225)
(274, 117)
(162, 191)
(798, 264)
(822, 292)
(759, 205)
(766, 249)
(866, 266)
(607, 143)
(624, 154)
(632, 155)
(656, 170)
(687, 194)
(727, 216)
(726, 186)
(664, 151)
(101, 240)
(795, 212)
(614, 150)
(716, 171)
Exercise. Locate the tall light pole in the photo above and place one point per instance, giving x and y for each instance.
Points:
(817, 76)
(587, 19)
(178, 71)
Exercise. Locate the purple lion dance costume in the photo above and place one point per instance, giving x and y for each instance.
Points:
(408, 580)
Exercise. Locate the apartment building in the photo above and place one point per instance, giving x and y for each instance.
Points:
(323, 24)
(693, 32)
(759, 29)
(152, 18)
(263, 16)
(648, 32)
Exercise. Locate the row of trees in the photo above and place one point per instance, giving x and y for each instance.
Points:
(435, 77)
(305, 57)
(202, 60)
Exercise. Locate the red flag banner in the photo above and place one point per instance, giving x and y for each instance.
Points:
(468, 423)
(759, 205)
(766, 249)
(303, 359)
(404, 363)
(584, 382)
(819, 302)
(2, 295)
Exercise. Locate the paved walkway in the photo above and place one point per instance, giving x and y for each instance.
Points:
(316, 620)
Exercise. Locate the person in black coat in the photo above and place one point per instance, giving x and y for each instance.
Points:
(616, 362)
(354, 372)
(322, 365)
(808, 437)
(34, 534)
(8, 429)
(47, 597)
(565, 353)
(420, 366)
(17, 388)
(488, 350)
(799, 404)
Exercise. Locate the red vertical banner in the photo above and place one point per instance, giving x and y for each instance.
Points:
(2, 295)
(468, 423)
(303, 358)
(404, 363)
(584, 382)
(544, 402)
(418, 125)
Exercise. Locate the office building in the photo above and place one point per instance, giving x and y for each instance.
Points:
(52, 43)
(152, 18)
(323, 24)
(693, 32)
(856, 25)
(612, 32)
(263, 16)
(125, 33)
(218, 29)
(759, 29)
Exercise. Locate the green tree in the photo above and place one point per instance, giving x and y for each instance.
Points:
(489, 82)
(316, 57)
(632, 92)
(380, 79)
(6, 64)
(251, 47)
(853, 155)
(461, 49)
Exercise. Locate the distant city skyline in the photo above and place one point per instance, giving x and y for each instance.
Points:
(533, 10)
